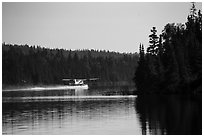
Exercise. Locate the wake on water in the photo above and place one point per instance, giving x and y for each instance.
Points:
(48, 88)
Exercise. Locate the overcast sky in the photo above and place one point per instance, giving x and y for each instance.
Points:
(111, 26)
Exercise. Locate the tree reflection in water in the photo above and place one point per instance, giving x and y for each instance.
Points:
(170, 114)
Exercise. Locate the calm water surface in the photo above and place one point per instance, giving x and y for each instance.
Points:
(98, 111)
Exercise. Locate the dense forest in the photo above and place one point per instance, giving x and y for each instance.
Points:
(173, 60)
(31, 65)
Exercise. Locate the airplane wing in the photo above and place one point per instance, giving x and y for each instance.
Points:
(93, 79)
(90, 79)
(67, 79)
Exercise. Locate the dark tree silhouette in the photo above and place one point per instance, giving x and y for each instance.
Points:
(173, 64)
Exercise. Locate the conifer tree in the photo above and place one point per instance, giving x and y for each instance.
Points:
(153, 40)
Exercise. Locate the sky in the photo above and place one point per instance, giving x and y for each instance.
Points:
(113, 26)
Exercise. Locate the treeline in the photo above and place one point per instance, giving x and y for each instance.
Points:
(173, 61)
(30, 65)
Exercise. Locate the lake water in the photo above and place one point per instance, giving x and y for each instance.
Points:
(98, 112)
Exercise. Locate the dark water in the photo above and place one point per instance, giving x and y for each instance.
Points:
(170, 114)
(98, 111)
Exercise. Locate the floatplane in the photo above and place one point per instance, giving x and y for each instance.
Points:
(78, 83)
